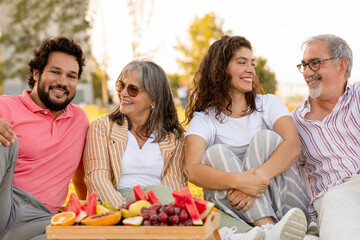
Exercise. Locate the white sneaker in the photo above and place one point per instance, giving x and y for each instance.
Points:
(255, 233)
(291, 227)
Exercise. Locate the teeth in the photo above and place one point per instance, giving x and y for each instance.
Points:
(58, 90)
(247, 79)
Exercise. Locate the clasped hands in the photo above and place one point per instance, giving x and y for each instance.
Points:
(252, 185)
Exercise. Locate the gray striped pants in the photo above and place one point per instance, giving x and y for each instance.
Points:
(286, 190)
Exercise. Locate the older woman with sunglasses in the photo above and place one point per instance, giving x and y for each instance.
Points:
(140, 143)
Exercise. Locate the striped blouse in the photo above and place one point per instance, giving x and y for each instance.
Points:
(104, 149)
(330, 149)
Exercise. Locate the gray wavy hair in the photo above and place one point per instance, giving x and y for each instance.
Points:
(338, 48)
(164, 119)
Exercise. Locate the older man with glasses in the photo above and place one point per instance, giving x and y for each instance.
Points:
(329, 130)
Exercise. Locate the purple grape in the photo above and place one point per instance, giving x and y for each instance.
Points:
(164, 224)
(146, 223)
(155, 207)
(143, 209)
(163, 217)
(188, 222)
(170, 210)
(175, 220)
(146, 216)
(183, 215)
(154, 219)
(152, 212)
(177, 210)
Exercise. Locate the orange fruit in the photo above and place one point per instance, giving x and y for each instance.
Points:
(63, 219)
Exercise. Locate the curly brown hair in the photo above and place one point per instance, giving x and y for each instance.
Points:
(212, 83)
(49, 45)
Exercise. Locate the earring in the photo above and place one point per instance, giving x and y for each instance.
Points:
(152, 107)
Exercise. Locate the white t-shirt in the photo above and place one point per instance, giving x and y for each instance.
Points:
(141, 166)
(237, 133)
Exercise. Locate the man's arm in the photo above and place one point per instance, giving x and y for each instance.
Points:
(7, 136)
(79, 184)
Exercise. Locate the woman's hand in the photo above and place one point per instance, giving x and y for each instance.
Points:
(251, 184)
(240, 200)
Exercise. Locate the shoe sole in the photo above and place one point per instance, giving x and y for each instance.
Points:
(295, 225)
(255, 234)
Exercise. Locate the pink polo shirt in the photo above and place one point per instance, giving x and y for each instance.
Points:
(49, 150)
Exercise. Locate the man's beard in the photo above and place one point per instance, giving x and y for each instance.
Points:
(314, 92)
(48, 102)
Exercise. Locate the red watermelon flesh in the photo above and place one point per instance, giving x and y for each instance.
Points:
(204, 207)
(139, 193)
(90, 207)
(74, 206)
(191, 207)
(151, 197)
(179, 199)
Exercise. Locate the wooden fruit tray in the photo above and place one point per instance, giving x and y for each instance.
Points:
(208, 231)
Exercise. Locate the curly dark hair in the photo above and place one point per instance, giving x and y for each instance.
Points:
(212, 83)
(49, 45)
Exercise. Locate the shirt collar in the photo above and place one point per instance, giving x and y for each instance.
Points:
(306, 106)
(33, 107)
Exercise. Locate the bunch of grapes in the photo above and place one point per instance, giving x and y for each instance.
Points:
(165, 215)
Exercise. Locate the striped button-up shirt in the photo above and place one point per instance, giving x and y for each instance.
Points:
(330, 149)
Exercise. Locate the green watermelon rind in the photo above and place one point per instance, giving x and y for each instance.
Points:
(204, 207)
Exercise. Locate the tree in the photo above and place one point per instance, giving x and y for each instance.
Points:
(140, 12)
(29, 22)
(202, 32)
(266, 76)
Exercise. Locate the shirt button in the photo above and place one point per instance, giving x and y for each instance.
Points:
(46, 112)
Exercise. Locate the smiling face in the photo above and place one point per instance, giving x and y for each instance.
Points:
(241, 69)
(325, 81)
(56, 86)
(135, 108)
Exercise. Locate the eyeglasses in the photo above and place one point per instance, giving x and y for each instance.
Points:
(132, 90)
(313, 65)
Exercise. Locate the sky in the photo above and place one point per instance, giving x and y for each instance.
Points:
(275, 28)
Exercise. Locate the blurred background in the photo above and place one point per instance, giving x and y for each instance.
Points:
(173, 33)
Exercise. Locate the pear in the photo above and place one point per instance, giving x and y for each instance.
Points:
(126, 213)
(101, 209)
(133, 221)
(135, 208)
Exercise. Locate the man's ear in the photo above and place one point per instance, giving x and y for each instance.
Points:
(343, 66)
(36, 74)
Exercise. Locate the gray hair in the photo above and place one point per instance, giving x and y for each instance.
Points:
(163, 118)
(338, 48)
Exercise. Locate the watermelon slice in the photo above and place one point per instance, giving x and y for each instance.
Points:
(179, 199)
(139, 193)
(191, 207)
(90, 207)
(204, 207)
(74, 206)
(151, 197)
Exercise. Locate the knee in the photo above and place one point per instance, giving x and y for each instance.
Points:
(10, 153)
(215, 152)
(268, 136)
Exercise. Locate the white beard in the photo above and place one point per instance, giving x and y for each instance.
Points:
(314, 92)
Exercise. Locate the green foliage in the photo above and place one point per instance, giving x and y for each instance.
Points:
(29, 22)
(202, 33)
(266, 76)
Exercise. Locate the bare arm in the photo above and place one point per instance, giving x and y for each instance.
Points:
(79, 184)
(7, 136)
(286, 154)
(211, 178)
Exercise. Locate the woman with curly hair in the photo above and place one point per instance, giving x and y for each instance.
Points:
(242, 145)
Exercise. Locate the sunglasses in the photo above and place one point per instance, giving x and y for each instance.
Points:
(132, 90)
